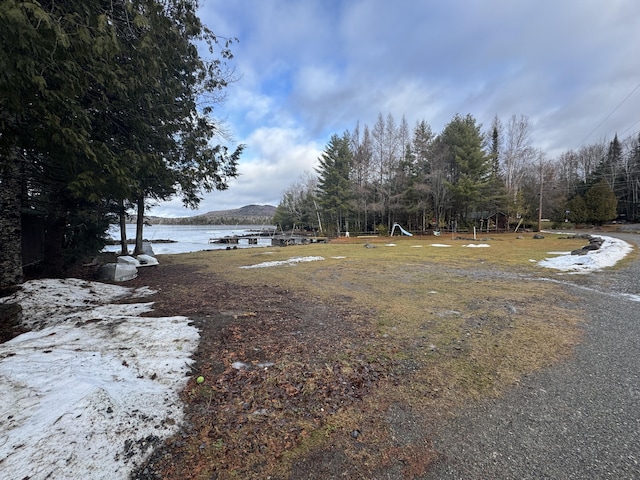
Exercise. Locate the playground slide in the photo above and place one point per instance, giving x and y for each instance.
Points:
(402, 230)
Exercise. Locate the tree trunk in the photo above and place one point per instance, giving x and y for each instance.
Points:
(124, 246)
(54, 234)
(139, 227)
(10, 221)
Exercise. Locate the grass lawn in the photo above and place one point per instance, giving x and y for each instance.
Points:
(429, 328)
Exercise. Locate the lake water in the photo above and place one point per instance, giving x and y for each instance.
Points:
(189, 238)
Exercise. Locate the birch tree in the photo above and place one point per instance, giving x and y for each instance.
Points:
(517, 154)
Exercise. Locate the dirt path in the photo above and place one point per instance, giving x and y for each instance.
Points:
(579, 419)
(247, 414)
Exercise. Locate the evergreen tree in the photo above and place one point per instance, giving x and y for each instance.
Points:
(494, 193)
(468, 163)
(50, 56)
(578, 212)
(99, 111)
(601, 203)
(494, 152)
(334, 187)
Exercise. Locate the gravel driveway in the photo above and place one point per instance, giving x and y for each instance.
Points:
(577, 420)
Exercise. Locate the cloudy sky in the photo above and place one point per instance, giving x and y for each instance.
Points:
(309, 69)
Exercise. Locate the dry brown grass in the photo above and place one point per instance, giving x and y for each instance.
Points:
(449, 324)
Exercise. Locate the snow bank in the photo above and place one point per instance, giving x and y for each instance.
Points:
(611, 251)
(94, 387)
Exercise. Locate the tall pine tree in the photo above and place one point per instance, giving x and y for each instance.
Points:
(469, 166)
(334, 187)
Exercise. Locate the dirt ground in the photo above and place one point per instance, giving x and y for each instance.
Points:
(284, 394)
(277, 401)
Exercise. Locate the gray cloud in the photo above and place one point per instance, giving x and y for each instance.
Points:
(313, 68)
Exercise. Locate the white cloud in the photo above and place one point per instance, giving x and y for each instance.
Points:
(275, 159)
(316, 68)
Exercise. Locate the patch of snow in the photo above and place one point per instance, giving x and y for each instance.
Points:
(91, 390)
(477, 245)
(50, 301)
(391, 245)
(611, 251)
(439, 245)
(630, 296)
(416, 246)
(290, 262)
(239, 365)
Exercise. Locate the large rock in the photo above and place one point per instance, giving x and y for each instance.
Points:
(10, 313)
(594, 244)
(117, 272)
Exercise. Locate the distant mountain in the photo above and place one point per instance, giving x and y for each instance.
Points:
(247, 215)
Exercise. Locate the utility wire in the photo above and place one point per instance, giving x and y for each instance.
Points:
(627, 129)
(612, 112)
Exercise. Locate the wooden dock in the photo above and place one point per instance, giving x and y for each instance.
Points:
(276, 240)
(285, 240)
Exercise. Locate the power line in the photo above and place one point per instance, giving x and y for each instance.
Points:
(630, 127)
(612, 112)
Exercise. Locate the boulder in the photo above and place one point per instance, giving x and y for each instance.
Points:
(596, 241)
(10, 313)
(537, 236)
(579, 251)
(117, 272)
(594, 244)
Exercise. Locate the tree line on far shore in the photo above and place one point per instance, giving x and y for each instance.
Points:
(370, 178)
